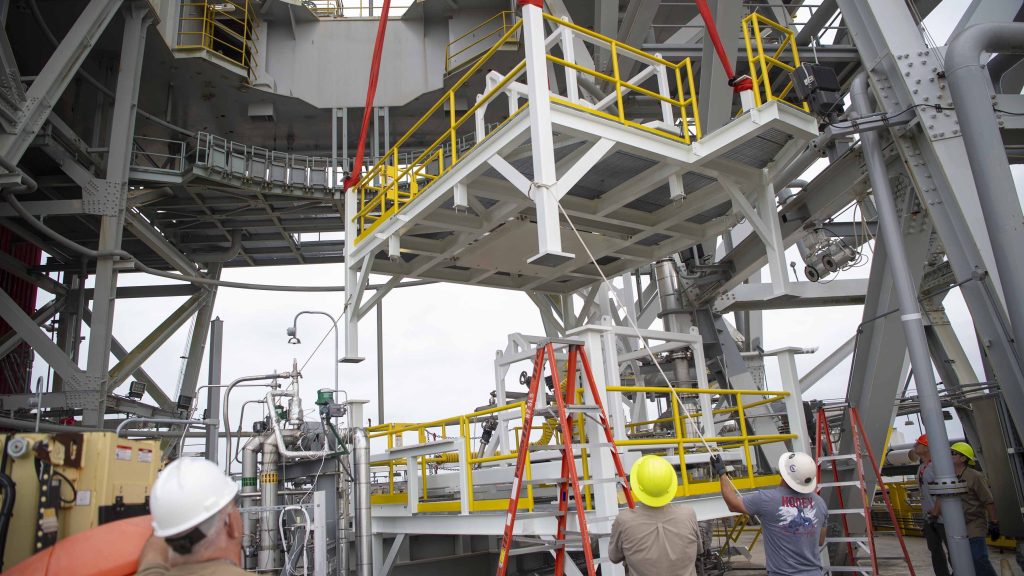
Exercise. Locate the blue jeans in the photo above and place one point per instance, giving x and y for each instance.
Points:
(979, 553)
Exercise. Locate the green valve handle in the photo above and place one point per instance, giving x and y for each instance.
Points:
(324, 396)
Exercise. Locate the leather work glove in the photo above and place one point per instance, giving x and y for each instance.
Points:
(717, 466)
(993, 530)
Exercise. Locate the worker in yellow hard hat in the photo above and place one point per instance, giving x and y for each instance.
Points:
(656, 538)
(979, 507)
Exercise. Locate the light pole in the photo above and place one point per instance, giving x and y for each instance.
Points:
(293, 338)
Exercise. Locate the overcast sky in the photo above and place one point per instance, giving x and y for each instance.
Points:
(439, 340)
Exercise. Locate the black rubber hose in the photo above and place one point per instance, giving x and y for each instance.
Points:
(6, 511)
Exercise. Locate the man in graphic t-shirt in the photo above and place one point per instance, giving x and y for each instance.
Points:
(792, 516)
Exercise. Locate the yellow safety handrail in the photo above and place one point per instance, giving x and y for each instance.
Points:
(507, 18)
(616, 48)
(377, 202)
(225, 29)
(680, 440)
(389, 185)
(464, 422)
(761, 64)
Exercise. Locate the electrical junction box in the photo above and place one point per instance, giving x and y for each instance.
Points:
(111, 479)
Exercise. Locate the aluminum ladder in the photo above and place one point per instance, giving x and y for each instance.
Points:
(828, 458)
(564, 409)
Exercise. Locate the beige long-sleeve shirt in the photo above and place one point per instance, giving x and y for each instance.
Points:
(656, 541)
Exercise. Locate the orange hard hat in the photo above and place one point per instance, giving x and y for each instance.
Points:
(922, 439)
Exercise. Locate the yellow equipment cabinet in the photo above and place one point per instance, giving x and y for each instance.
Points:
(87, 479)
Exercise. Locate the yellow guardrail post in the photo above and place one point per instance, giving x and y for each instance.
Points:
(680, 426)
(746, 439)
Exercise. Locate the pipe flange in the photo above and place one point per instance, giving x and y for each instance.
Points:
(947, 488)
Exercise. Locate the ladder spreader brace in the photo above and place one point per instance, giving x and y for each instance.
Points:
(568, 479)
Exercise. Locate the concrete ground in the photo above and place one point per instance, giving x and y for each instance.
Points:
(890, 559)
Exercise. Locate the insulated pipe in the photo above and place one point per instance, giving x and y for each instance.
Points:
(279, 435)
(129, 421)
(227, 403)
(969, 85)
(910, 314)
(675, 319)
(270, 553)
(249, 492)
(363, 526)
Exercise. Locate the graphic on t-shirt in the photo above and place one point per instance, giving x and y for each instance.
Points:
(796, 514)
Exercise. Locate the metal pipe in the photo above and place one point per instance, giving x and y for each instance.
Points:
(334, 326)
(222, 256)
(129, 421)
(917, 344)
(969, 85)
(675, 319)
(363, 524)
(227, 396)
(275, 424)
(213, 391)
(269, 553)
(249, 491)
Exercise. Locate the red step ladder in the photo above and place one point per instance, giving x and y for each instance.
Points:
(827, 457)
(569, 479)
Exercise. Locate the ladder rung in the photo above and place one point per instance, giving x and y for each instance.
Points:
(837, 457)
(590, 482)
(847, 511)
(552, 411)
(835, 484)
(854, 569)
(853, 539)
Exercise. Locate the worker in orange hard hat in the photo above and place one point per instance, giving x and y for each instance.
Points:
(656, 538)
(933, 529)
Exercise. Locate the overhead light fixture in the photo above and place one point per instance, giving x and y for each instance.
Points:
(224, 7)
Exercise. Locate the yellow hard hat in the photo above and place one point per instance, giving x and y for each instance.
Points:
(653, 481)
(965, 449)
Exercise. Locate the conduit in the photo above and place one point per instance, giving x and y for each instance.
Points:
(371, 92)
(738, 83)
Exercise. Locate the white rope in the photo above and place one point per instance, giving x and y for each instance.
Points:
(632, 324)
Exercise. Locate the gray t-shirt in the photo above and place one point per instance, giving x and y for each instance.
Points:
(792, 524)
(925, 477)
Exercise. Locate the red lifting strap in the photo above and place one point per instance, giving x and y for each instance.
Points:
(371, 91)
(537, 3)
(739, 84)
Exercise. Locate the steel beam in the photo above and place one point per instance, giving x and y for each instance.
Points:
(27, 329)
(828, 364)
(137, 18)
(906, 295)
(154, 340)
(200, 335)
(140, 374)
(151, 237)
(50, 83)
(715, 94)
(11, 340)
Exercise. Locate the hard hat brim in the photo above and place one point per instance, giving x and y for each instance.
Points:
(801, 488)
(648, 499)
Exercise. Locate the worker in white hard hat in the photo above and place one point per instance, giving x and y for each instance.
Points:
(656, 538)
(792, 516)
(197, 529)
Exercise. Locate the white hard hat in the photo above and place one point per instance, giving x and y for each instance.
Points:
(188, 492)
(799, 471)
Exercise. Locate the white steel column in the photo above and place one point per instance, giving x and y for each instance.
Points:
(136, 20)
(601, 465)
(793, 402)
(544, 188)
